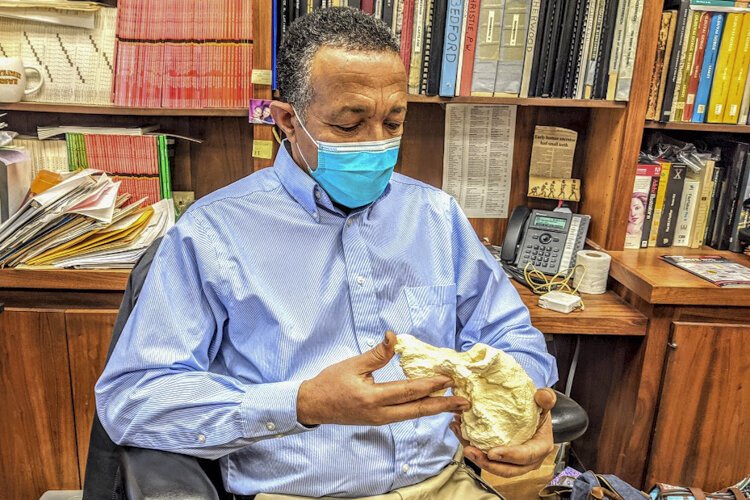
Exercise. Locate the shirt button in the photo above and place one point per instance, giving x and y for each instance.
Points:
(317, 194)
(315, 214)
(360, 280)
(201, 438)
(270, 426)
(348, 222)
(405, 468)
(371, 342)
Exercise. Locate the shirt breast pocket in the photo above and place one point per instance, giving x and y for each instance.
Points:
(432, 310)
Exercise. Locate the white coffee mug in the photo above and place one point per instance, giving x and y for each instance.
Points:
(13, 79)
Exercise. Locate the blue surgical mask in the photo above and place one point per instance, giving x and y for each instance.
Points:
(354, 174)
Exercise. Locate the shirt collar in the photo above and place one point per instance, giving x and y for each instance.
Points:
(303, 188)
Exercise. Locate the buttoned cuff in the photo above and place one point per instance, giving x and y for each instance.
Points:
(270, 410)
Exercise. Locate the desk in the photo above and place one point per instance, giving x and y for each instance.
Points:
(55, 333)
(672, 406)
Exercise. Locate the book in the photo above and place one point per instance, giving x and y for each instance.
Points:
(630, 43)
(745, 105)
(705, 178)
(513, 37)
(487, 48)
(718, 191)
(617, 46)
(739, 74)
(604, 53)
(435, 61)
(586, 48)
(567, 30)
(671, 207)
(686, 213)
(528, 61)
(639, 204)
(713, 268)
(734, 158)
(659, 202)
(407, 32)
(537, 66)
(468, 47)
(684, 66)
(708, 69)
(661, 63)
(554, 26)
(573, 64)
(651, 205)
(594, 49)
(696, 66)
(724, 65)
(427, 45)
(417, 45)
(674, 60)
(451, 48)
(741, 217)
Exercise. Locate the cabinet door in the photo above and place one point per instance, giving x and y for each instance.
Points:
(702, 433)
(38, 449)
(89, 333)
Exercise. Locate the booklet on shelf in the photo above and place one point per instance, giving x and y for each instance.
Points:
(718, 270)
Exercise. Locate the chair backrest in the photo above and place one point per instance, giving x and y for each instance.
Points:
(103, 475)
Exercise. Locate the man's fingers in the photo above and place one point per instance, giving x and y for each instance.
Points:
(377, 357)
(502, 469)
(424, 408)
(545, 398)
(532, 451)
(456, 428)
(405, 391)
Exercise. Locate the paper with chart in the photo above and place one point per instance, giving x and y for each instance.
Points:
(478, 157)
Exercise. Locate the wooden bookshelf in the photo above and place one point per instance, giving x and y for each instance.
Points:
(518, 101)
(117, 110)
(699, 127)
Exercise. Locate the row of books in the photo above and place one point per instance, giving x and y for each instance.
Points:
(81, 219)
(186, 20)
(141, 163)
(183, 75)
(583, 49)
(691, 200)
(702, 61)
(184, 54)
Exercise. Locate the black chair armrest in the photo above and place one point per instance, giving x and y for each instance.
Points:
(160, 475)
(569, 420)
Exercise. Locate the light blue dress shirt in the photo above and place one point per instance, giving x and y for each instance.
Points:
(264, 283)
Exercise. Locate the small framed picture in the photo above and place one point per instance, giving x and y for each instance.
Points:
(260, 112)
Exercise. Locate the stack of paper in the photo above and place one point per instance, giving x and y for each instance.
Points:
(82, 221)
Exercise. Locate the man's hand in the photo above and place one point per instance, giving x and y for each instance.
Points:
(511, 461)
(346, 393)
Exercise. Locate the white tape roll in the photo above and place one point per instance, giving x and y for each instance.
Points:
(594, 279)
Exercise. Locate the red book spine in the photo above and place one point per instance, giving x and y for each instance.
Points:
(407, 29)
(695, 72)
(470, 45)
(369, 6)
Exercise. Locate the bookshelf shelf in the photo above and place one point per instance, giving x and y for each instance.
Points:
(659, 282)
(65, 279)
(115, 110)
(700, 127)
(534, 101)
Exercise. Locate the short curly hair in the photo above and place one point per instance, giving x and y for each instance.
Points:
(343, 27)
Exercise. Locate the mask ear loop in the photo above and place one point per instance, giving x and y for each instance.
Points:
(297, 115)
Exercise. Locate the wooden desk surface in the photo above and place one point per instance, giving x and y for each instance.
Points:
(659, 282)
(604, 314)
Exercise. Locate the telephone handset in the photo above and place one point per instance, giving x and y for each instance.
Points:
(548, 240)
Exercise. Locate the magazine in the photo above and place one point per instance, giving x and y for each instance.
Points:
(718, 270)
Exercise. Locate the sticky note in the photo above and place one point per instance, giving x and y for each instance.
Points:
(261, 77)
(262, 149)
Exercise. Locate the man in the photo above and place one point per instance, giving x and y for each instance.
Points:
(258, 335)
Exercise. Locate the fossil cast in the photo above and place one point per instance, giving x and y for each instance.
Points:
(503, 411)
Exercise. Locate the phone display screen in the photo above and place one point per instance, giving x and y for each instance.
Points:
(550, 222)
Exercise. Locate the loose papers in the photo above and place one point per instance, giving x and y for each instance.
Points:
(478, 157)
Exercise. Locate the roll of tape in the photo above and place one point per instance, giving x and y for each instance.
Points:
(594, 278)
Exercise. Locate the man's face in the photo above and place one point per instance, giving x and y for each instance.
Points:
(357, 96)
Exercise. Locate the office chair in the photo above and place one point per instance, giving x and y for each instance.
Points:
(122, 472)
